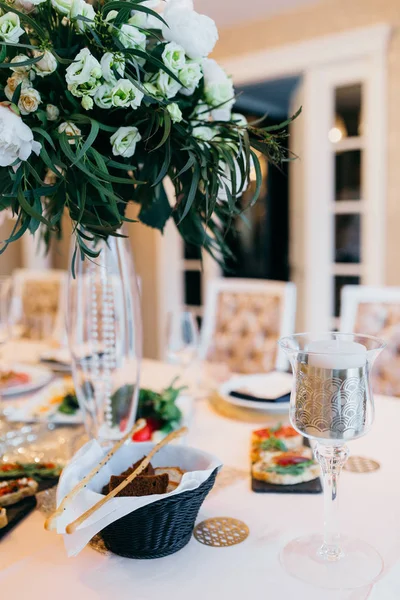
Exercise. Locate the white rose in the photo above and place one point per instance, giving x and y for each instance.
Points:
(203, 133)
(80, 8)
(131, 37)
(218, 90)
(190, 76)
(29, 100)
(124, 141)
(52, 112)
(108, 63)
(197, 34)
(173, 57)
(10, 28)
(47, 65)
(13, 82)
(239, 119)
(71, 130)
(175, 112)
(62, 6)
(103, 96)
(18, 59)
(84, 70)
(201, 113)
(125, 94)
(166, 84)
(87, 102)
(16, 138)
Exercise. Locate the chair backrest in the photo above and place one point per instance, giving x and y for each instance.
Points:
(39, 295)
(376, 311)
(243, 320)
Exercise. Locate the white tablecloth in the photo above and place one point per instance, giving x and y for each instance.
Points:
(33, 563)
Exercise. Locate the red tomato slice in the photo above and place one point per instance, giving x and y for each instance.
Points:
(143, 435)
(285, 431)
(263, 433)
(9, 467)
(290, 459)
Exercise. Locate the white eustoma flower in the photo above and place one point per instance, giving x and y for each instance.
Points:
(197, 34)
(84, 74)
(13, 82)
(62, 6)
(125, 94)
(16, 138)
(190, 76)
(52, 112)
(10, 28)
(87, 102)
(108, 63)
(144, 21)
(46, 65)
(152, 90)
(80, 8)
(175, 112)
(71, 130)
(124, 141)
(203, 133)
(19, 59)
(218, 90)
(29, 100)
(239, 119)
(173, 57)
(166, 84)
(131, 37)
(103, 96)
(201, 113)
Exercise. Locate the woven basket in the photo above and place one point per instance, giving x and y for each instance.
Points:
(158, 529)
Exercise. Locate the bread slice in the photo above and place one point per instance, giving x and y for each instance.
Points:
(15, 490)
(143, 485)
(175, 474)
(3, 518)
(270, 472)
(147, 471)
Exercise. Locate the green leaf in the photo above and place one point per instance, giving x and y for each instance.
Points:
(192, 192)
(167, 130)
(23, 63)
(30, 210)
(94, 130)
(157, 213)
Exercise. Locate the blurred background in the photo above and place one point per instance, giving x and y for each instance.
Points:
(327, 220)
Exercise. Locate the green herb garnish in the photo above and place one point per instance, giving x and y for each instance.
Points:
(272, 444)
(297, 469)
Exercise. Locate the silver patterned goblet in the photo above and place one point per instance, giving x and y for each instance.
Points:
(331, 403)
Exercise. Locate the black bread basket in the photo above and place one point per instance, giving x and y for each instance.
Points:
(158, 529)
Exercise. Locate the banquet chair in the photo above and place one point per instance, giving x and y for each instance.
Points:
(376, 311)
(38, 303)
(243, 320)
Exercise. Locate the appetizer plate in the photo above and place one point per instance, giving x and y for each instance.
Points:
(269, 388)
(38, 377)
(43, 406)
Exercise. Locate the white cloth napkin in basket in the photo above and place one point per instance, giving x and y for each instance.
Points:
(198, 466)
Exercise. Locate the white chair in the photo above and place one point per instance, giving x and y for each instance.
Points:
(376, 311)
(243, 320)
(38, 304)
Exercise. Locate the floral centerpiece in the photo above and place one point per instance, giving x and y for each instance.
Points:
(99, 103)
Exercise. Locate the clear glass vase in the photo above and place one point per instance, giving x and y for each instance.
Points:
(105, 336)
(332, 404)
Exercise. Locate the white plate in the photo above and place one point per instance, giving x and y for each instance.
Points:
(39, 377)
(270, 385)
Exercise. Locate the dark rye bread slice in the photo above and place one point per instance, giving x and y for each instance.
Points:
(144, 485)
(147, 471)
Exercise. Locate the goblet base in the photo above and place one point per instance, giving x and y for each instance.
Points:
(359, 564)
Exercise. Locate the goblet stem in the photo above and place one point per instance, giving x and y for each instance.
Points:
(331, 460)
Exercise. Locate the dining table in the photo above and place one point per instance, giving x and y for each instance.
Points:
(34, 564)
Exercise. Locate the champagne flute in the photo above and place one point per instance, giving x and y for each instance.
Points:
(332, 403)
(182, 339)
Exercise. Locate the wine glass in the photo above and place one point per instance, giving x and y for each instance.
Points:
(182, 338)
(105, 337)
(332, 403)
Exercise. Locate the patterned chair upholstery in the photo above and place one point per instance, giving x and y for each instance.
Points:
(246, 323)
(376, 311)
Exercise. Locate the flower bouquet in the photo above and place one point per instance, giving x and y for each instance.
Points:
(100, 103)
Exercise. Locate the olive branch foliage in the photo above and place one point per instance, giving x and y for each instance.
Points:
(95, 186)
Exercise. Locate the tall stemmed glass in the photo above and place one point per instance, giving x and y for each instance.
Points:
(182, 338)
(332, 403)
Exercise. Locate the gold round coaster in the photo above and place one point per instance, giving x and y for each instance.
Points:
(220, 532)
(361, 464)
